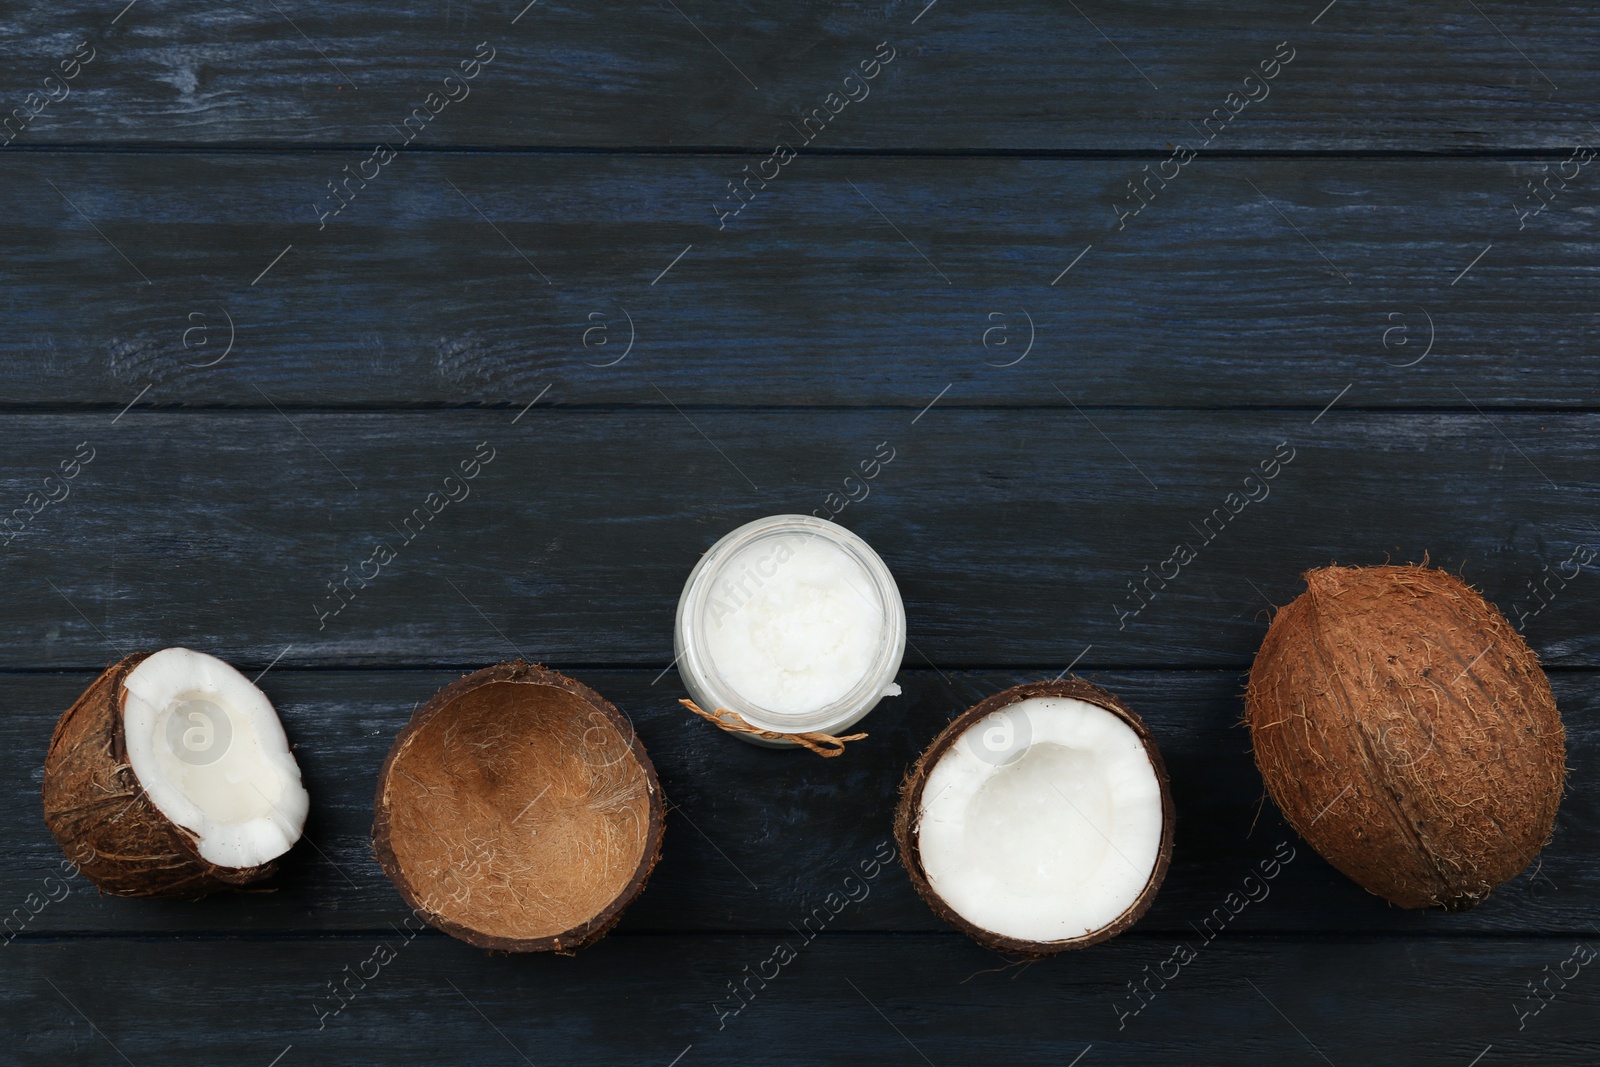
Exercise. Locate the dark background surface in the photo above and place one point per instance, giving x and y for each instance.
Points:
(1348, 268)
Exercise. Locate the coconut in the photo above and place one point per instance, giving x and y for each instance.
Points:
(1040, 820)
(518, 811)
(1407, 732)
(171, 777)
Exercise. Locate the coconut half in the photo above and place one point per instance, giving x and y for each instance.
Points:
(1040, 820)
(518, 811)
(171, 777)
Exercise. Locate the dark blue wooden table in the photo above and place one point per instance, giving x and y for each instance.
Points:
(275, 268)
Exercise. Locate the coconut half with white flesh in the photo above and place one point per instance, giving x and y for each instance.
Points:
(1040, 820)
(171, 777)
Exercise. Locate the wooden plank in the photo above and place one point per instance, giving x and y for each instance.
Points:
(757, 838)
(841, 999)
(850, 282)
(1027, 75)
(1016, 536)
(257, 370)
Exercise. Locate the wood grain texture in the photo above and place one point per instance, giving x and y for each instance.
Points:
(1014, 535)
(478, 279)
(843, 1000)
(756, 839)
(1346, 270)
(1025, 75)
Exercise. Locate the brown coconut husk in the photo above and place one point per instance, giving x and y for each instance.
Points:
(101, 816)
(518, 811)
(1408, 733)
(908, 811)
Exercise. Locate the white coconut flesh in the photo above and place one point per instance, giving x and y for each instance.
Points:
(1043, 821)
(209, 750)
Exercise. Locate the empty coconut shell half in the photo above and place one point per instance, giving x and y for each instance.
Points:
(1408, 733)
(518, 811)
(1040, 820)
(171, 777)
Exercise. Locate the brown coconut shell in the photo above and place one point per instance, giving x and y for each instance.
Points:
(518, 811)
(101, 816)
(1408, 733)
(906, 815)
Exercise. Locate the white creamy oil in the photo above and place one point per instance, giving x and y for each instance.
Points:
(793, 623)
(789, 625)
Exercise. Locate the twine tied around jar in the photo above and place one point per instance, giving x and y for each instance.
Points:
(825, 745)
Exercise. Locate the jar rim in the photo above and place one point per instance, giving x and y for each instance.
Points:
(699, 672)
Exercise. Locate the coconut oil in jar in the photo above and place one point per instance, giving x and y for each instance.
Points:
(794, 624)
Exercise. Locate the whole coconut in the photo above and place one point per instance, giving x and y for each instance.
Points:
(1407, 732)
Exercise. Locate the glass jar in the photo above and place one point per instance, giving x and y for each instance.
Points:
(792, 622)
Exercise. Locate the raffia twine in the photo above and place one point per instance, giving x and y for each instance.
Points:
(825, 745)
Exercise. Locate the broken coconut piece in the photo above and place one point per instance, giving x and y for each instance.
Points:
(171, 777)
(1040, 820)
(518, 811)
